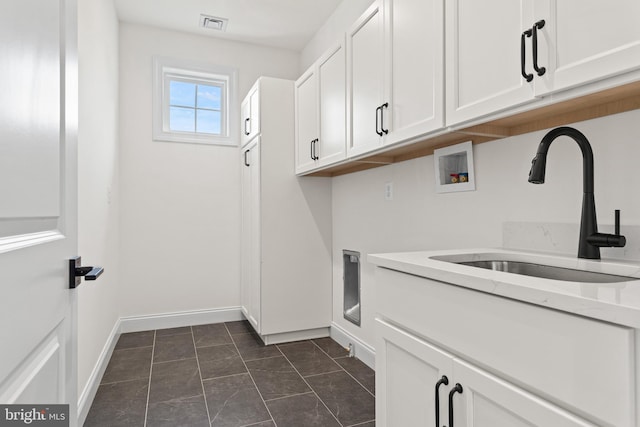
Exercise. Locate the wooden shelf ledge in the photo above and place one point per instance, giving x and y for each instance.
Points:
(611, 101)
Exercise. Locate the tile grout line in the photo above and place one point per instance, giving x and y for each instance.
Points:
(223, 376)
(311, 388)
(256, 424)
(343, 368)
(328, 355)
(251, 376)
(146, 407)
(356, 380)
(362, 423)
(324, 373)
(174, 360)
(288, 396)
(123, 381)
(262, 358)
(204, 396)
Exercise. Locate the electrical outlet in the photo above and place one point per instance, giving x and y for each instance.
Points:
(388, 191)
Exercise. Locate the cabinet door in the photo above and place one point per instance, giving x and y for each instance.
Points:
(591, 39)
(414, 37)
(332, 96)
(245, 113)
(254, 122)
(483, 57)
(365, 65)
(247, 232)
(407, 371)
(250, 243)
(487, 401)
(250, 110)
(256, 253)
(306, 123)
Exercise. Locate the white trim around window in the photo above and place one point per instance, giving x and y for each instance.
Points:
(195, 121)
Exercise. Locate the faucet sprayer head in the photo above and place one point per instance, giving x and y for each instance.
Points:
(538, 166)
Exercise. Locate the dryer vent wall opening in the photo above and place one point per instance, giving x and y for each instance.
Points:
(351, 286)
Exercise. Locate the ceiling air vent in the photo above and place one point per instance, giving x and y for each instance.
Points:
(213, 23)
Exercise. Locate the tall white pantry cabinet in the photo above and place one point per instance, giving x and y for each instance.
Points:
(286, 227)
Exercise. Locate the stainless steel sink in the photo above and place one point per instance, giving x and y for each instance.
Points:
(547, 271)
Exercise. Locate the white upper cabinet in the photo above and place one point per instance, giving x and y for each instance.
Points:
(306, 126)
(505, 53)
(484, 48)
(331, 146)
(591, 40)
(414, 54)
(419, 68)
(250, 110)
(395, 66)
(320, 112)
(365, 74)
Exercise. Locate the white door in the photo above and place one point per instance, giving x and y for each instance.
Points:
(587, 40)
(414, 37)
(306, 122)
(38, 126)
(365, 73)
(407, 373)
(483, 45)
(332, 96)
(487, 401)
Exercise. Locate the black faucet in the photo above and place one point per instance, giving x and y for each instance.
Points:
(590, 240)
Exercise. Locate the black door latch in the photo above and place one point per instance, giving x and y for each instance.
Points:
(76, 272)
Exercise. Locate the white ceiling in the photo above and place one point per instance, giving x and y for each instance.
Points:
(288, 24)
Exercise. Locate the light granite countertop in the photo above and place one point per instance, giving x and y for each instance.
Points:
(617, 303)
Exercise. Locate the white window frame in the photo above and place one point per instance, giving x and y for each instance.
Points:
(167, 69)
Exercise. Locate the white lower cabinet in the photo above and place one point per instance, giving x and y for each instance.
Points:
(484, 400)
(418, 384)
(517, 364)
(407, 371)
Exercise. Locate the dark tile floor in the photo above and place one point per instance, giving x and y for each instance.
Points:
(221, 375)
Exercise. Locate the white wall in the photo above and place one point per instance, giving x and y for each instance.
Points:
(340, 20)
(98, 187)
(180, 203)
(419, 219)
